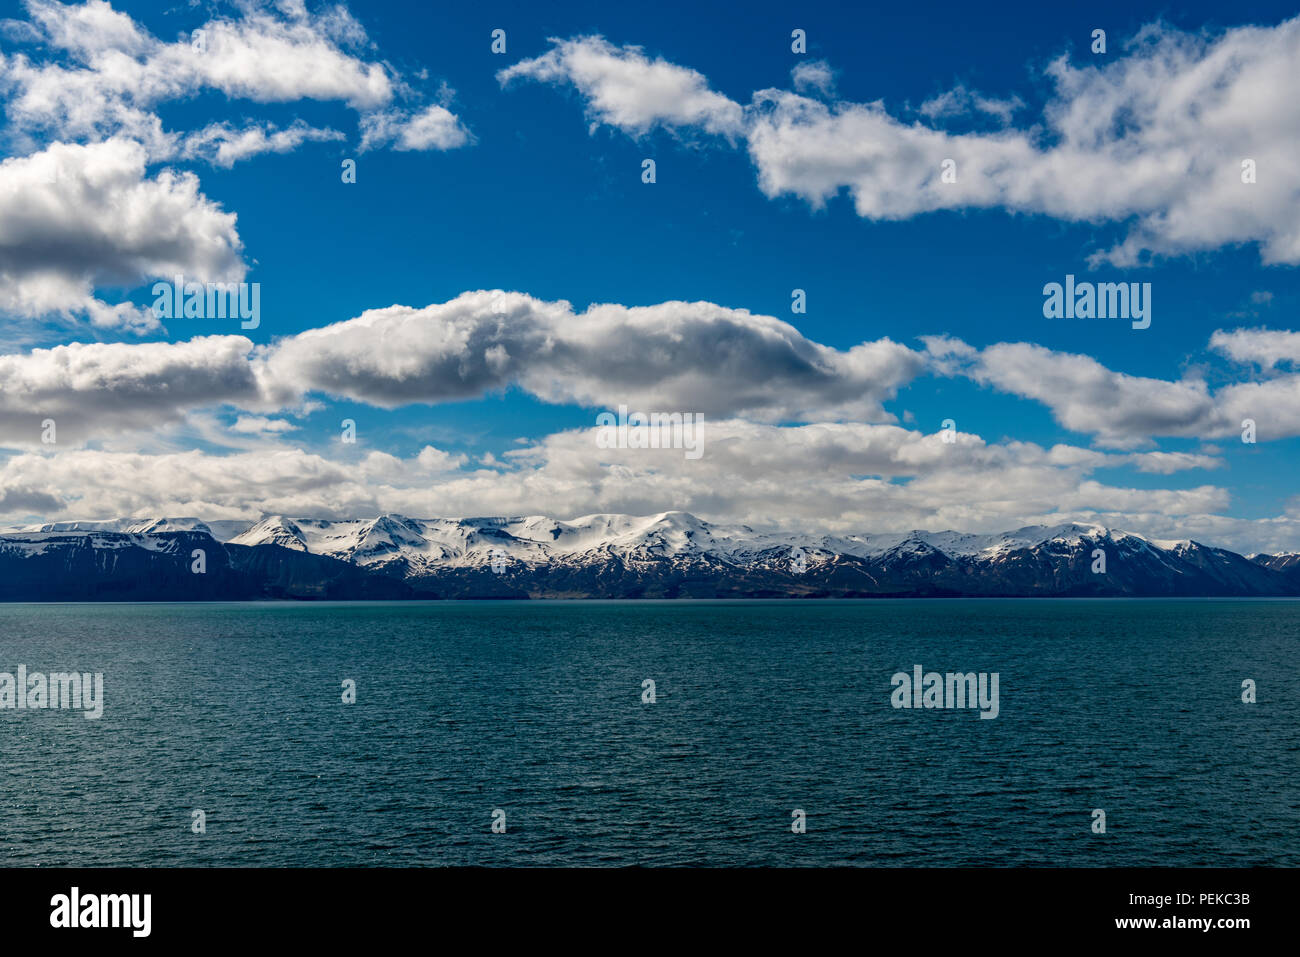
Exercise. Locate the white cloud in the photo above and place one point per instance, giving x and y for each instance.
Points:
(114, 74)
(84, 211)
(117, 70)
(831, 476)
(812, 479)
(1125, 411)
(261, 425)
(268, 59)
(1266, 348)
(223, 145)
(1084, 396)
(626, 89)
(433, 128)
(87, 30)
(76, 217)
(95, 390)
(840, 477)
(959, 101)
(674, 356)
(1154, 139)
(813, 76)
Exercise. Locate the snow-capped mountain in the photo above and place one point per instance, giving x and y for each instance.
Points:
(671, 554)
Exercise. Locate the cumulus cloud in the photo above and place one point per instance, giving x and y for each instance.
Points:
(1126, 411)
(80, 211)
(222, 144)
(811, 479)
(626, 89)
(114, 72)
(269, 58)
(94, 390)
(100, 74)
(1154, 139)
(959, 101)
(670, 357)
(27, 501)
(433, 128)
(1085, 396)
(813, 76)
(1266, 348)
(261, 425)
(837, 477)
(825, 475)
(76, 217)
(237, 485)
(674, 356)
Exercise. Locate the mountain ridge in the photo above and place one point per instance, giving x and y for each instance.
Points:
(606, 555)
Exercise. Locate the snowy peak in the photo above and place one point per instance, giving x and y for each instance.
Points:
(667, 554)
(156, 525)
(389, 533)
(665, 535)
(423, 544)
(275, 530)
(126, 526)
(1280, 560)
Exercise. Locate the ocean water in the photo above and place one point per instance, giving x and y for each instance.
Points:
(535, 708)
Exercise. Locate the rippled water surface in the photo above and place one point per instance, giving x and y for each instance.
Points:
(763, 707)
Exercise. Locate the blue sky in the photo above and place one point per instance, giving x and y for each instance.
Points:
(531, 183)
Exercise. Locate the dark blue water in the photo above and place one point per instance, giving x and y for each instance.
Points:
(535, 708)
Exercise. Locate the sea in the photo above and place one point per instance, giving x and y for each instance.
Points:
(655, 733)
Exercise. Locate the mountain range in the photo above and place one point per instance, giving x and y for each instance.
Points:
(668, 555)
